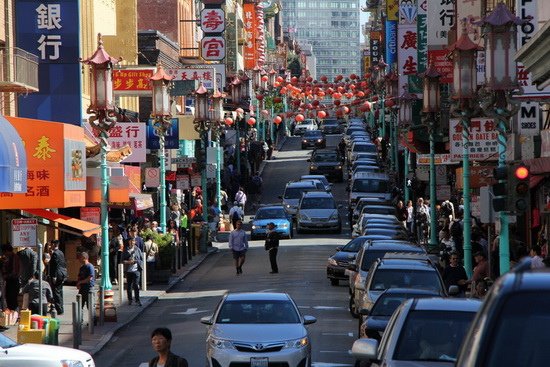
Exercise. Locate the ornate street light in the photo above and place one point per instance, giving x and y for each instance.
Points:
(102, 118)
(463, 53)
(272, 75)
(499, 33)
(431, 105)
(236, 88)
(391, 81)
(404, 120)
(162, 123)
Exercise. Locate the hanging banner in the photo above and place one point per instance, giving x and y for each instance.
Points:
(126, 133)
(375, 40)
(391, 42)
(408, 10)
(442, 63)
(441, 17)
(392, 10)
(415, 82)
(483, 140)
(250, 35)
(130, 81)
(408, 53)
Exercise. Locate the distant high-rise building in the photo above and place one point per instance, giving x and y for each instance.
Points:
(332, 29)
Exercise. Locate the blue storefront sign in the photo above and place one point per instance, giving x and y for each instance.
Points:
(172, 136)
(391, 42)
(51, 30)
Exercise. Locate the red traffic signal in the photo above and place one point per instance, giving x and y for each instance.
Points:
(521, 172)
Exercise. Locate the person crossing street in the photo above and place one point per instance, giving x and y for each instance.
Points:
(272, 246)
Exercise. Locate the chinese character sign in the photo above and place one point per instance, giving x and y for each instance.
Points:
(250, 36)
(483, 140)
(213, 48)
(51, 31)
(207, 76)
(132, 80)
(171, 139)
(127, 133)
(441, 17)
(407, 43)
(212, 20)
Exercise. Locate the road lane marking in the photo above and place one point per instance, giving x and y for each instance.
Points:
(189, 311)
(338, 334)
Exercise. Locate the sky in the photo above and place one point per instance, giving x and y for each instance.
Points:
(362, 20)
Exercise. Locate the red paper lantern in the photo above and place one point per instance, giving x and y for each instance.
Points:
(265, 78)
(321, 114)
(345, 109)
(251, 121)
(299, 117)
(277, 120)
(374, 98)
(277, 99)
(259, 97)
(337, 102)
(279, 79)
(228, 121)
(389, 103)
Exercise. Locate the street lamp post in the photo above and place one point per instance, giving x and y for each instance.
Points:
(464, 93)
(101, 111)
(431, 104)
(499, 33)
(236, 97)
(391, 93)
(162, 122)
(404, 121)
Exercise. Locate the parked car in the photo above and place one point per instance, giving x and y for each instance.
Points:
(317, 211)
(293, 193)
(307, 124)
(367, 255)
(399, 270)
(373, 323)
(257, 329)
(314, 138)
(327, 162)
(512, 327)
(13, 354)
(275, 214)
(361, 202)
(338, 263)
(331, 126)
(424, 332)
(322, 178)
(367, 184)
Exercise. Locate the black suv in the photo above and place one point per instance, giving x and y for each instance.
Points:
(512, 326)
(326, 162)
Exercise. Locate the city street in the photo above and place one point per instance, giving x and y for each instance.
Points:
(302, 262)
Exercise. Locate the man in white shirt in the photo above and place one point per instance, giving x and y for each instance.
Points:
(238, 245)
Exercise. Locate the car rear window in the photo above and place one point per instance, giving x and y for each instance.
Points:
(312, 133)
(257, 312)
(400, 278)
(370, 185)
(295, 192)
(318, 203)
(354, 245)
(326, 157)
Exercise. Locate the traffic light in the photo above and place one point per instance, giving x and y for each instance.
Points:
(518, 188)
(500, 174)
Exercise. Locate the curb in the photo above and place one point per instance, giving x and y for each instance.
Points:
(109, 335)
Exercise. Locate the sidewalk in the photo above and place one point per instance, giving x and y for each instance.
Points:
(93, 343)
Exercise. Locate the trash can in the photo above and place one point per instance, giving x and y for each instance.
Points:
(204, 238)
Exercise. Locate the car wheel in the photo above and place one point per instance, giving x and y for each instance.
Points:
(334, 282)
(352, 308)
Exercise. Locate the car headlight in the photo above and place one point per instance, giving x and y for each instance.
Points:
(319, 140)
(71, 363)
(313, 168)
(287, 206)
(253, 227)
(297, 343)
(338, 167)
(304, 141)
(331, 261)
(304, 217)
(284, 225)
(220, 343)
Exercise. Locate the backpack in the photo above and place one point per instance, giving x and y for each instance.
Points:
(235, 216)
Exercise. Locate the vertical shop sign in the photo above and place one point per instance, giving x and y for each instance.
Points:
(212, 23)
(441, 17)
(391, 42)
(51, 30)
(375, 39)
(392, 10)
(415, 82)
(407, 64)
(408, 10)
(250, 36)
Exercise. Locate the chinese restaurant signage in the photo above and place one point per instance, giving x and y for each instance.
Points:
(51, 30)
(127, 133)
(132, 80)
(250, 36)
(212, 20)
(54, 180)
(483, 140)
(212, 23)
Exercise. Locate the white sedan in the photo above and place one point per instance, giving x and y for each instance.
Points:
(38, 355)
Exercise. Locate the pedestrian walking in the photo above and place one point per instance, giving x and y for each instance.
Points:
(161, 339)
(58, 275)
(401, 213)
(86, 278)
(224, 200)
(10, 274)
(151, 253)
(256, 186)
(410, 216)
(238, 245)
(272, 246)
(32, 290)
(240, 197)
(235, 214)
(132, 258)
(455, 274)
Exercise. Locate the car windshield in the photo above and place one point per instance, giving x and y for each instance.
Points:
(377, 210)
(318, 203)
(437, 335)
(6, 342)
(387, 303)
(400, 278)
(323, 179)
(528, 329)
(258, 312)
(354, 245)
(365, 148)
(370, 256)
(326, 157)
(270, 213)
(296, 192)
(330, 122)
(369, 185)
(313, 134)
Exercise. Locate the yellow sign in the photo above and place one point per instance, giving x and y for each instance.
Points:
(392, 9)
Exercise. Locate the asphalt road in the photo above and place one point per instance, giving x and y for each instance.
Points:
(302, 262)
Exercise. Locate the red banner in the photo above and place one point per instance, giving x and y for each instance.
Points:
(442, 63)
(132, 80)
(250, 36)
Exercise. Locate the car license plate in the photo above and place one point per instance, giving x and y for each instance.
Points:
(259, 362)
(319, 225)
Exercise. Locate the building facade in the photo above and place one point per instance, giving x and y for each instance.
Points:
(331, 28)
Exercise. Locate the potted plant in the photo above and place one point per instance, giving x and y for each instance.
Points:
(163, 268)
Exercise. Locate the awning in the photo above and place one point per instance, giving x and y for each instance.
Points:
(80, 227)
(13, 159)
(141, 201)
(538, 166)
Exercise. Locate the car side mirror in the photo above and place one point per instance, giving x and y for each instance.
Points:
(308, 320)
(308, 160)
(364, 312)
(207, 320)
(339, 248)
(365, 349)
(453, 290)
(352, 267)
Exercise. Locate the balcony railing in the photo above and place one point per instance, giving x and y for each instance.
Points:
(18, 70)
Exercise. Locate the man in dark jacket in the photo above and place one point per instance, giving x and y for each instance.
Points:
(58, 275)
(32, 288)
(28, 264)
(161, 339)
(272, 246)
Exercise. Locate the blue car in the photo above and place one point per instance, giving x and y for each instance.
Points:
(268, 214)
